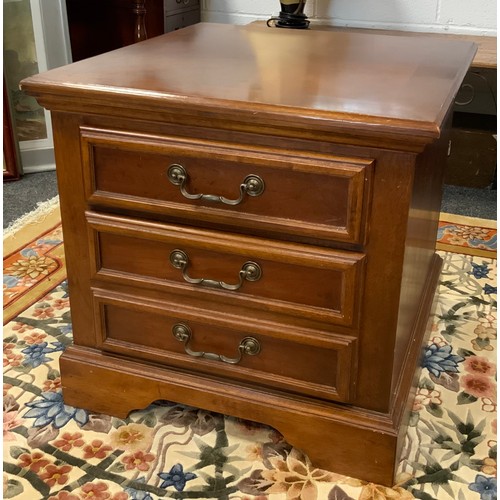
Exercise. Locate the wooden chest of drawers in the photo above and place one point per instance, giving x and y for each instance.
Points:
(249, 219)
(180, 13)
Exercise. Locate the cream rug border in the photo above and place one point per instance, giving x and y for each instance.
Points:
(20, 233)
(31, 225)
(468, 221)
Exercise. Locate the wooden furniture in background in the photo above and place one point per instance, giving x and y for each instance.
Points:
(98, 26)
(260, 208)
(11, 154)
(181, 13)
(473, 156)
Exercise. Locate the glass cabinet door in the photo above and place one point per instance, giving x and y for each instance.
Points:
(34, 40)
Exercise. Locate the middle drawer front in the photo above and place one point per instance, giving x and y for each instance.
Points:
(225, 345)
(310, 282)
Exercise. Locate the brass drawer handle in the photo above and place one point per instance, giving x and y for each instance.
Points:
(252, 185)
(248, 345)
(250, 271)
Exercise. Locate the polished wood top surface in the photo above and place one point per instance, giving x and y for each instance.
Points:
(374, 79)
(486, 55)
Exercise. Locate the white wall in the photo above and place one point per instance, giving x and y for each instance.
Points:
(471, 17)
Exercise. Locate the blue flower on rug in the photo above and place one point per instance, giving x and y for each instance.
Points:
(63, 286)
(138, 495)
(176, 477)
(488, 289)
(52, 410)
(35, 354)
(485, 486)
(10, 281)
(439, 360)
(66, 329)
(49, 241)
(480, 270)
(57, 346)
(29, 252)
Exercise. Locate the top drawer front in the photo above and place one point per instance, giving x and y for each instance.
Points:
(311, 196)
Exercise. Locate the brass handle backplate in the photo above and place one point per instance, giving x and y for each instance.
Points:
(248, 345)
(250, 271)
(252, 185)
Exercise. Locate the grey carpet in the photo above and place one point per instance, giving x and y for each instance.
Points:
(472, 202)
(21, 197)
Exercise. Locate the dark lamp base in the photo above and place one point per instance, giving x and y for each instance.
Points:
(294, 21)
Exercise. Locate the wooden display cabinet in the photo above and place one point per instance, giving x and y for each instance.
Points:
(98, 26)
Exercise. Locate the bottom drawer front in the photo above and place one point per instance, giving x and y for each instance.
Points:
(195, 341)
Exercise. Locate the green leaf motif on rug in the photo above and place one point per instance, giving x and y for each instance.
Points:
(464, 399)
(14, 488)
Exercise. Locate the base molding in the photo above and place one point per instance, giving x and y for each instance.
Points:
(342, 439)
(336, 437)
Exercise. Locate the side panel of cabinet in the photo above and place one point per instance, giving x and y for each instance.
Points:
(73, 205)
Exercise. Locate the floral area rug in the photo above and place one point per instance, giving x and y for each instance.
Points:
(53, 451)
(467, 235)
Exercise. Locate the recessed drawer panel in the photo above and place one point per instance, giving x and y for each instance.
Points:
(198, 340)
(299, 280)
(308, 195)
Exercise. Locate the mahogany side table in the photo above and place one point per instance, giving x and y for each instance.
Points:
(249, 220)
